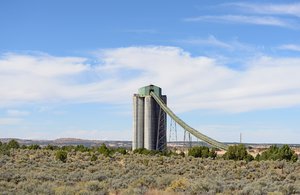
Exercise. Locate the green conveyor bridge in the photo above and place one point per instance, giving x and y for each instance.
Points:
(185, 126)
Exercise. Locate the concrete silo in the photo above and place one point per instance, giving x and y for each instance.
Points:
(138, 122)
(149, 121)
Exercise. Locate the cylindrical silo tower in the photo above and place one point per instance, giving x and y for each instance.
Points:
(150, 126)
(149, 121)
(140, 125)
(135, 122)
(138, 122)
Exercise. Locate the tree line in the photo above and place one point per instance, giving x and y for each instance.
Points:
(235, 152)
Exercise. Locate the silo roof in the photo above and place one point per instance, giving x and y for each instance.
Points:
(145, 91)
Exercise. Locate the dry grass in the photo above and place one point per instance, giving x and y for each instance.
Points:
(38, 172)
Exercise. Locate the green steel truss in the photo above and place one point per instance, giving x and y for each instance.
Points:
(193, 131)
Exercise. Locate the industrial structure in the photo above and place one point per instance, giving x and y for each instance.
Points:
(150, 121)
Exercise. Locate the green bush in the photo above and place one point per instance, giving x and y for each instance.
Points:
(121, 151)
(4, 150)
(61, 155)
(68, 148)
(237, 152)
(202, 152)
(82, 148)
(104, 150)
(94, 157)
(13, 144)
(51, 147)
(276, 153)
(34, 147)
(144, 151)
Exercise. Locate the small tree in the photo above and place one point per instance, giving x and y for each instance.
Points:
(237, 152)
(202, 152)
(61, 155)
(34, 147)
(13, 144)
(144, 151)
(121, 151)
(275, 153)
(82, 148)
(285, 152)
(213, 153)
(104, 150)
(51, 147)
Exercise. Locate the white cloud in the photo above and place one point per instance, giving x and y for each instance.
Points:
(292, 9)
(211, 41)
(96, 134)
(10, 121)
(17, 113)
(243, 19)
(190, 82)
(290, 47)
(231, 45)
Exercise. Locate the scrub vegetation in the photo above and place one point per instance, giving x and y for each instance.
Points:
(104, 170)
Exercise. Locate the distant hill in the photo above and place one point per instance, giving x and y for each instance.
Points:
(70, 141)
(125, 144)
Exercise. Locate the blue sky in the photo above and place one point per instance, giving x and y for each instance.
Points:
(70, 68)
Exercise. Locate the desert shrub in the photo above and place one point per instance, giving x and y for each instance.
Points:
(202, 152)
(213, 153)
(237, 152)
(68, 148)
(13, 144)
(169, 153)
(104, 150)
(34, 147)
(64, 190)
(276, 153)
(37, 172)
(51, 147)
(144, 151)
(4, 150)
(61, 155)
(94, 157)
(96, 186)
(120, 151)
(179, 185)
(82, 148)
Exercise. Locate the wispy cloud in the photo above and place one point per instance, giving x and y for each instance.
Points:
(292, 9)
(243, 19)
(17, 113)
(214, 42)
(290, 47)
(92, 134)
(198, 83)
(10, 121)
(211, 41)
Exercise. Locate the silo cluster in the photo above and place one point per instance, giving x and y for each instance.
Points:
(149, 121)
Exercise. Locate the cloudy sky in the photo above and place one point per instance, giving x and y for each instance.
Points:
(69, 68)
